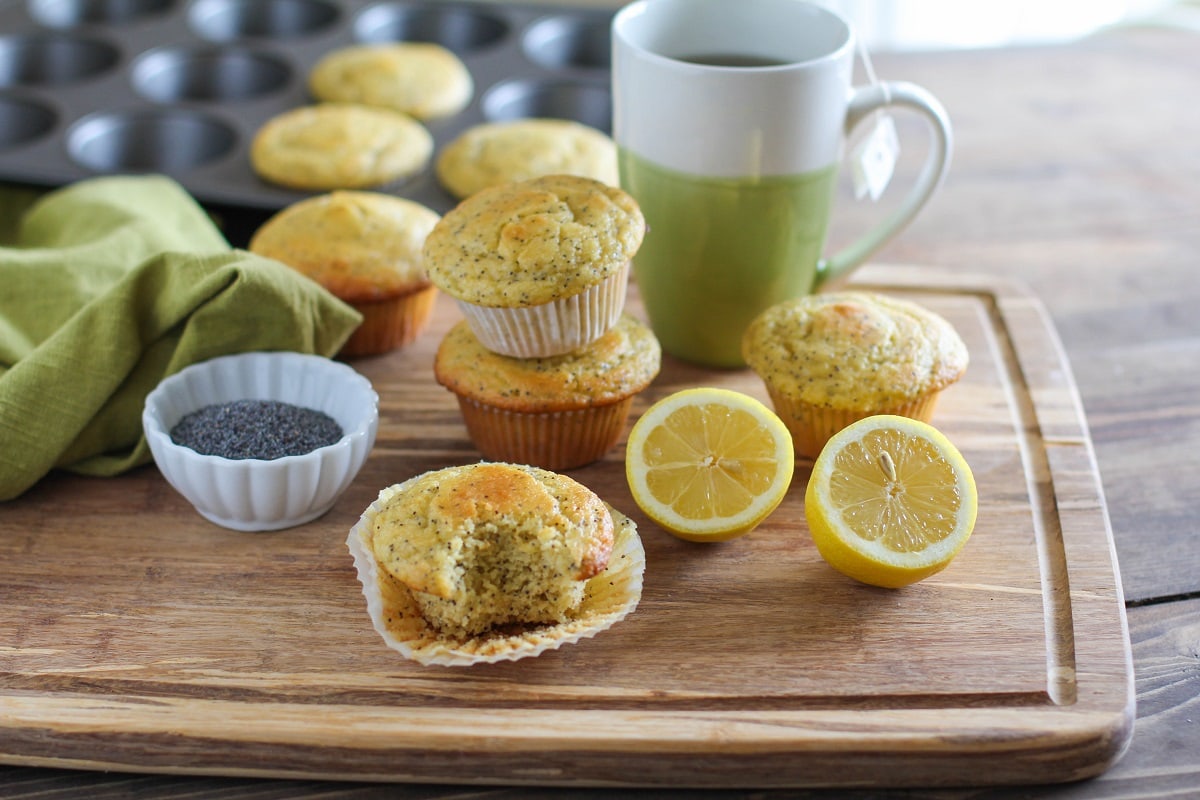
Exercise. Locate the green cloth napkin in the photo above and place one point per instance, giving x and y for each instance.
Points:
(110, 285)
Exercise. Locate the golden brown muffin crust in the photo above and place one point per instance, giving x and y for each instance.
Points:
(400, 617)
(424, 527)
(532, 242)
(361, 246)
(853, 350)
(339, 146)
(423, 79)
(620, 363)
(495, 153)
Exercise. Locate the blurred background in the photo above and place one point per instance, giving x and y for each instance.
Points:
(899, 25)
(896, 25)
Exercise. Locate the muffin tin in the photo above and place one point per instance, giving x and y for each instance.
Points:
(94, 87)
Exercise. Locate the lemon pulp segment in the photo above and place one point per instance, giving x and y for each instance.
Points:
(895, 490)
(709, 463)
(890, 501)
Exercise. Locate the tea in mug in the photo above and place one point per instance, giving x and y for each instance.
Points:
(733, 60)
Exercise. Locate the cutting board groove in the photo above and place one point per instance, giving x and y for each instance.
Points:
(140, 637)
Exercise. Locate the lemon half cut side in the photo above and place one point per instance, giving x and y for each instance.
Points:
(709, 464)
(891, 501)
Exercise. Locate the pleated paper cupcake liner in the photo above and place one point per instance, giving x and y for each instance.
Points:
(390, 324)
(553, 440)
(609, 597)
(813, 426)
(554, 328)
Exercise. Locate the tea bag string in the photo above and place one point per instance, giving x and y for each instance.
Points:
(874, 157)
(868, 67)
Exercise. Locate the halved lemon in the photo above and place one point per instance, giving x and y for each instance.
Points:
(709, 464)
(891, 501)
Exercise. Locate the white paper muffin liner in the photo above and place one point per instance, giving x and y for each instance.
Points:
(550, 329)
(609, 597)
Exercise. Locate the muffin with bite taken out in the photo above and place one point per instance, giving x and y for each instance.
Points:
(493, 561)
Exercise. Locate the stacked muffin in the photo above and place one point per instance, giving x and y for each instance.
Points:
(546, 364)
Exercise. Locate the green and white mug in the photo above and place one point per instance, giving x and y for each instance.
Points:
(731, 121)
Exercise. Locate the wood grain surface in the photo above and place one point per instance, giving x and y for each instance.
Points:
(148, 638)
(1076, 172)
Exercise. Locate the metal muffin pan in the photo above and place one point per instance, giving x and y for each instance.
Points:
(180, 87)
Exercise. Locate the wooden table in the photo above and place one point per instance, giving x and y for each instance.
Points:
(1076, 172)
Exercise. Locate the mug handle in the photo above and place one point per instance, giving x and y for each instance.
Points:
(865, 101)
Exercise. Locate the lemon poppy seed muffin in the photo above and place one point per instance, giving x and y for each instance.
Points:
(495, 153)
(557, 412)
(538, 267)
(339, 146)
(422, 79)
(489, 561)
(493, 544)
(365, 249)
(830, 359)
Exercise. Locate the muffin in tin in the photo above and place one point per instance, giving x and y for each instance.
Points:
(538, 267)
(495, 153)
(339, 146)
(556, 412)
(830, 359)
(365, 249)
(422, 79)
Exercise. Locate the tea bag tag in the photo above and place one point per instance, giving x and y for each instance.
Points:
(874, 159)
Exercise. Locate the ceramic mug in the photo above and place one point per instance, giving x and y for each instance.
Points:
(731, 120)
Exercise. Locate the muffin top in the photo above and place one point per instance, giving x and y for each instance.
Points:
(853, 350)
(494, 153)
(423, 79)
(361, 246)
(620, 363)
(339, 146)
(531, 242)
(420, 531)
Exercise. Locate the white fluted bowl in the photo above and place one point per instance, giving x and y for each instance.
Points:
(256, 494)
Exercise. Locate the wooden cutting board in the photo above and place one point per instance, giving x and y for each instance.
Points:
(134, 635)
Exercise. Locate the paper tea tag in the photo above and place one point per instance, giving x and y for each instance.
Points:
(874, 159)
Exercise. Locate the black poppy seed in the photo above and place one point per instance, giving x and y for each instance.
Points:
(260, 429)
